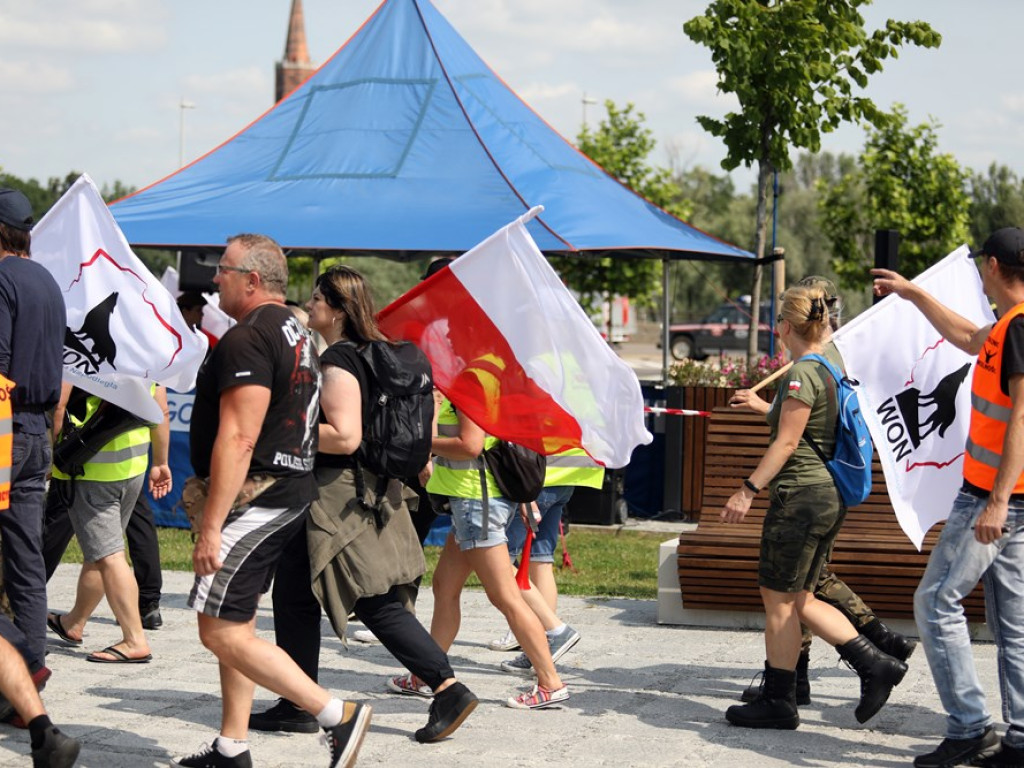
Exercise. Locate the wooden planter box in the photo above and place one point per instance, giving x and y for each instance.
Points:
(685, 445)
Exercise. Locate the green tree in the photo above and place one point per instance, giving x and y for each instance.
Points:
(902, 183)
(997, 200)
(793, 65)
(621, 145)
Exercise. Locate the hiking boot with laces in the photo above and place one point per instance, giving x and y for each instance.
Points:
(345, 738)
(506, 642)
(803, 683)
(448, 710)
(285, 717)
(879, 673)
(410, 685)
(209, 757)
(538, 698)
(58, 750)
(960, 751)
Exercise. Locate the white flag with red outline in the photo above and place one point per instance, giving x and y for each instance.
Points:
(124, 328)
(915, 391)
(514, 351)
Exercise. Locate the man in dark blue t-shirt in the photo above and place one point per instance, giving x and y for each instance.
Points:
(32, 325)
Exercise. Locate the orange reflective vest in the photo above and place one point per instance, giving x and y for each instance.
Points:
(6, 442)
(990, 411)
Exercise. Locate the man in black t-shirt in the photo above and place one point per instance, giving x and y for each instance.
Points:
(983, 537)
(254, 430)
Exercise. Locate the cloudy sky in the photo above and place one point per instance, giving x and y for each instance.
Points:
(95, 85)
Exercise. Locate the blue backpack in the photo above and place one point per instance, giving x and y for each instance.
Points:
(850, 465)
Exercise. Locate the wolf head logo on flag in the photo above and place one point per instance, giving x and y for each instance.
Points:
(124, 328)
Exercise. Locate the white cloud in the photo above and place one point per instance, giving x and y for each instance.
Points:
(547, 91)
(235, 82)
(699, 89)
(82, 26)
(19, 76)
(1012, 102)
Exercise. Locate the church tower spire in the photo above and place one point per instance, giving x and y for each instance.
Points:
(293, 70)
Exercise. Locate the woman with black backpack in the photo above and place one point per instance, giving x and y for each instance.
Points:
(363, 556)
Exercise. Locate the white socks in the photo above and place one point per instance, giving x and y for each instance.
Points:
(332, 714)
(556, 631)
(231, 747)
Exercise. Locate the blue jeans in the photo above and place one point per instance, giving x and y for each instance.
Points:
(21, 528)
(955, 566)
(551, 504)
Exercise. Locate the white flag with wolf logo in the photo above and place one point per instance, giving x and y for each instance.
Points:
(124, 328)
(916, 391)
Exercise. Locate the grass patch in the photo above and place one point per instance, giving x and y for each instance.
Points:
(609, 563)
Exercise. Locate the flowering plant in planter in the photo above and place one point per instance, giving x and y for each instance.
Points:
(724, 373)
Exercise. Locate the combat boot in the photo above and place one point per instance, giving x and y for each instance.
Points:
(803, 683)
(879, 673)
(775, 707)
(888, 641)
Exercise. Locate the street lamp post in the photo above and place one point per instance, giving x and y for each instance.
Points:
(586, 101)
(181, 129)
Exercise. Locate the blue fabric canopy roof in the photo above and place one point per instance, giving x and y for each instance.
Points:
(404, 142)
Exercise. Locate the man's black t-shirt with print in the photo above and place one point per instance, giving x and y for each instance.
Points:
(268, 348)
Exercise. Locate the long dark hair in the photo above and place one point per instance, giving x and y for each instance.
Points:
(346, 290)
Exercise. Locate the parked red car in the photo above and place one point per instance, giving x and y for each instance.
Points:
(724, 330)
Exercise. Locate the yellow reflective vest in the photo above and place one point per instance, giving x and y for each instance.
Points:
(459, 478)
(124, 457)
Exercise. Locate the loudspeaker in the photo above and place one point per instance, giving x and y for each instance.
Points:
(195, 272)
(887, 245)
(600, 506)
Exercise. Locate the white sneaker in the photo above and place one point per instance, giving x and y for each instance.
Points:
(506, 642)
(365, 636)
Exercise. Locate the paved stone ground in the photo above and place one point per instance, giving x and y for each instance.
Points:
(642, 695)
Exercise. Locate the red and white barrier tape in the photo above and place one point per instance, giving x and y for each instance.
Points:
(676, 411)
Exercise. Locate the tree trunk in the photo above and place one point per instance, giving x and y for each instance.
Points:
(764, 175)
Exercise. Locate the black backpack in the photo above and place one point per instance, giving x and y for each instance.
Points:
(518, 471)
(400, 408)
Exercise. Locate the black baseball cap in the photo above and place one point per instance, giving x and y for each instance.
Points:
(437, 265)
(1005, 245)
(15, 209)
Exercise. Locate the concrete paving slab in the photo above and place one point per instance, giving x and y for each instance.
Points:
(642, 695)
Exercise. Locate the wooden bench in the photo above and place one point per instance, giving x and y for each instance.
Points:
(718, 562)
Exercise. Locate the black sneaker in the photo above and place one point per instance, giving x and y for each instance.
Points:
(150, 613)
(1006, 757)
(283, 716)
(447, 711)
(345, 738)
(58, 750)
(209, 757)
(960, 751)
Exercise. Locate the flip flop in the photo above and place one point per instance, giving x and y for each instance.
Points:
(119, 657)
(54, 623)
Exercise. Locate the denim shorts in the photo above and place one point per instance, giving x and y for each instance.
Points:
(467, 520)
(800, 529)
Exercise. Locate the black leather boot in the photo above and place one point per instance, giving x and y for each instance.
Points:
(887, 640)
(775, 707)
(879, 673)
(803, 683)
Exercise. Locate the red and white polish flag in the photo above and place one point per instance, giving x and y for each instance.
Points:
(514, 351)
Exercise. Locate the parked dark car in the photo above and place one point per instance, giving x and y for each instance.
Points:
(724, 330)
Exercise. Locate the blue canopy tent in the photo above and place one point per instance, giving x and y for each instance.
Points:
(405, 143)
